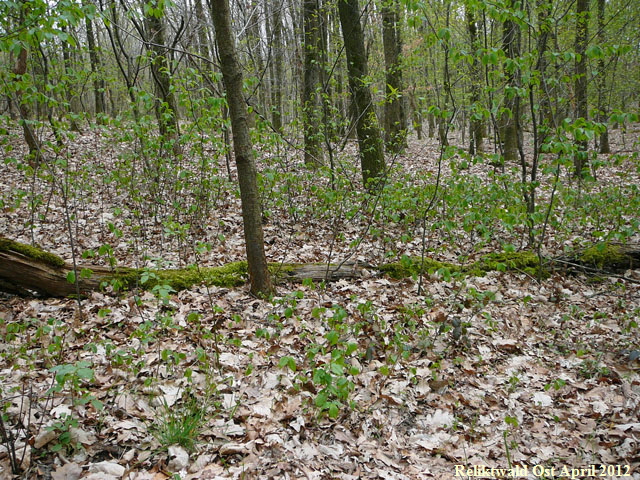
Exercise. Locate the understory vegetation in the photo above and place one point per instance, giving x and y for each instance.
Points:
(461, 352)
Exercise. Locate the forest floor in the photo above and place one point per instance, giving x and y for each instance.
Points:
(363, 378)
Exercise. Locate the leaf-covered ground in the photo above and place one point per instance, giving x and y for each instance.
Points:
(367, 378)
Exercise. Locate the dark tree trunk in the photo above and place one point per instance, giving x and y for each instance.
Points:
(96, 71)
(477, 126)
(581, 158)
(277, 51)
(369, 139)
(602, 82)
(545, 116)
(166, 107)
(35, 152)
(312, 112)
(247, 174)
(509, 119)
(71, 96)
(394, 116)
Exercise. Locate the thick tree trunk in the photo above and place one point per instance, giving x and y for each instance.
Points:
(369, 138)
(247, 173)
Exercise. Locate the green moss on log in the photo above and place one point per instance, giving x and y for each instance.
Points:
(410, 266)
(34, 253)
(519, 261)
(604, 254)
(231, 275)
(527, 262)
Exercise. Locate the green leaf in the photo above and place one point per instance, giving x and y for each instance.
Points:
(71, 277)
(85, 373)
(511, 421)
(595, 51)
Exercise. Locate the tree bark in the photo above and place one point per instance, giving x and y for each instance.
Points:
(247, 174)
(394, 115)
(602, 82)
(20, 69)
(96, 71)
(509, 134)
(70, 91)
(581, 158)
(369, 138)
(166, 106)
(277, 53)
(477, 125)
(311, 108)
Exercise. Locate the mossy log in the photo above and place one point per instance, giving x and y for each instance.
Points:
(601, 258)
(26, 270)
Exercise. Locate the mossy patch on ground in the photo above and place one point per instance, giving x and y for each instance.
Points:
(34, 253)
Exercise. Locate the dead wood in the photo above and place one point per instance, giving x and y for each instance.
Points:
(26, 270)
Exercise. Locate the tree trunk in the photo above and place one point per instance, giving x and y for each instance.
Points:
(277, 51)
(581, 158)
(96, 71)
(477, 126)
(509, 119)
(602, 82)
(247, 174)
(311, 108)
(35, 152)
(369, 139)
(166, 107)
(394, 116)
(70, 90)
(545, 116)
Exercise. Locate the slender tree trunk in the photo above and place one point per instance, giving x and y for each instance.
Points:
(35, 152)
(247, 174)
(96, 70)
(166, 107)
(477, 126)
(602, 83)
(311, 109)
(581, 158)
(369, 139)
(203, 40)
(545, 116)
(255, 52)
(394, 115)
(277, 52)
(509, 119)
(70, 91)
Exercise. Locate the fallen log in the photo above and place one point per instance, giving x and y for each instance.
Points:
(27, 270)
